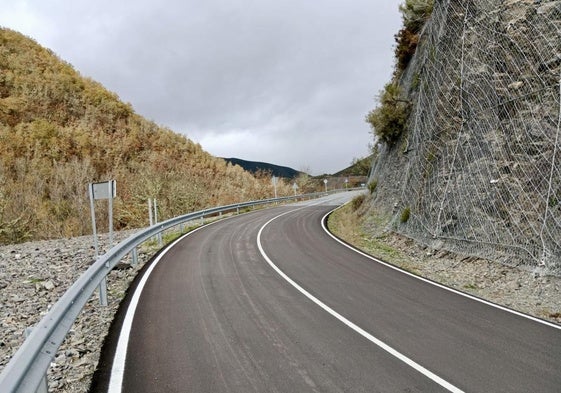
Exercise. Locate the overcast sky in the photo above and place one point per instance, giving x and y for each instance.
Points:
(286, 81)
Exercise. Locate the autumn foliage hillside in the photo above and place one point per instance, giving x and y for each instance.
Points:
(60, 131)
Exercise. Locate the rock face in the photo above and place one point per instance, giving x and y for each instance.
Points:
(479, 167)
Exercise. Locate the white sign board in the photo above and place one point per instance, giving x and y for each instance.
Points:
(103, 190)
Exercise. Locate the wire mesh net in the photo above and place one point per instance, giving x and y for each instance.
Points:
(483, 168)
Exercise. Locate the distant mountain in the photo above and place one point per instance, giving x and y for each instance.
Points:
(255, 166)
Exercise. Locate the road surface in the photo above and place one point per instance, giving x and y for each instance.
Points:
(269, 302)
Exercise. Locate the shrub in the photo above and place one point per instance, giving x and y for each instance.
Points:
(388, 120)
(372, 186)
(406, 45)
(415, 13)
(358, 201)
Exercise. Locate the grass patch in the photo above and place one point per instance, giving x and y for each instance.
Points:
(345, 224)
(358, 201)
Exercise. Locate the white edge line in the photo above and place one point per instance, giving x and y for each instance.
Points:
(350, 324)
(458, 292)
(118, 367)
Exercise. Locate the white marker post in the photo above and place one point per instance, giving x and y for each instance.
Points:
(275, 181)
(325, 182)
(105, 190)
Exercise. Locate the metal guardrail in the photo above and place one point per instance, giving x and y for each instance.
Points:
(27, 369)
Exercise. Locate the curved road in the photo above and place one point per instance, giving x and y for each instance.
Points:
(269, 302)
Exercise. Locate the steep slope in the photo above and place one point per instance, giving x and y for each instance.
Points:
(60, 131)
(477, 168)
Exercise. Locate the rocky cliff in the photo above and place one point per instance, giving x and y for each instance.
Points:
(478, 168)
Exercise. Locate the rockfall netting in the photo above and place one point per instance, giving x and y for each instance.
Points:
(482, 166)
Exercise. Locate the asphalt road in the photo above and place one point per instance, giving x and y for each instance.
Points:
(269, 302)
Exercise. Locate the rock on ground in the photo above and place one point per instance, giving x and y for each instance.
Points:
(33, 276)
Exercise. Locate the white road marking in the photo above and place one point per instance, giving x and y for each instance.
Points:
(477, 299)
(118, 368)
(448, 386)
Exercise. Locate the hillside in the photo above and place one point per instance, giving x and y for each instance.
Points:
(257, 167)
(60, 131)
(359, 167)
(468, 131)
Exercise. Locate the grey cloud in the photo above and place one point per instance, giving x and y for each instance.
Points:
(295, 77)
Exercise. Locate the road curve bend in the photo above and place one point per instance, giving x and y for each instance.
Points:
(269, 302)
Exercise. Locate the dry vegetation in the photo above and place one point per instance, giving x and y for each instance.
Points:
(60, 131)
(388, 120)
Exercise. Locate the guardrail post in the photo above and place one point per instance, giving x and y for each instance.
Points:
(160, 240)
(134, 255)
(238, 209)
(43, 385)
(103, 292)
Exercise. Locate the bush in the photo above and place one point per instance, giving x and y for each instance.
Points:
(415, 13)
(358, 201)
(406, 45)
(388, 120)
(372, 186)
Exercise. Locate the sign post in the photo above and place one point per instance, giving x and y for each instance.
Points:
(275, 181)
(153, 215)
(105, 190)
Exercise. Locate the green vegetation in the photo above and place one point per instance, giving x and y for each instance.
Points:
(405, 214)
(358, 167)
(415, 13)
(389, 119)
(60, 131)
(346, 224)
(372, 186)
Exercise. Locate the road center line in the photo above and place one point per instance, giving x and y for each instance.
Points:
(448, 386)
